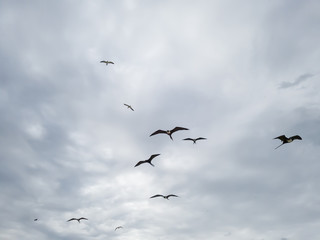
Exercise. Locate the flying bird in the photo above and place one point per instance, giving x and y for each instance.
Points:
(148, 160)
(169, 132)
(195, 139)
(128, 106)
(107, 62)
(36, 219)
(285, 140)
(78, 219)
(118, 228)
(166, 197)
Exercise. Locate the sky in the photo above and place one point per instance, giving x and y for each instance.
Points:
(238, 73)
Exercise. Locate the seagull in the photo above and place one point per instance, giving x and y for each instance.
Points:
(128, 106)
(78, 219)
(166, 197)
(169, 132)
(285, 140)
(118, 228)
(107, 62)
(195, 140)
(147, 161)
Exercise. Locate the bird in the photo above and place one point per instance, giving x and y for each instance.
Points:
(165, 197)
(148, 160)
(78, 219)
(36, 219)
(195, 139)
(107, 62)
(118, 228)
(128, 106)
(169, 132)
(285, 140)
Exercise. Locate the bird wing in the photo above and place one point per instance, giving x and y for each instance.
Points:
(126, 105)
(82, 218)
(191, 139)
(139, 163)
(172, 195)
(131, 108)
(103, 62)
(157, 195)
(153, 156)
(110, 62)
(71, 219)
(118, 228)
(296, 137)
(157, 132)
(178, 128)
(282, 138)
(200, 138)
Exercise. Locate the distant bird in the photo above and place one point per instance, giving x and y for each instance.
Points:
(195, 140)
(285, 140)
(128, 106)
(147, 161)
(107, 62)
(169, 132)
(166, 197)
(78, 219)
(36, 219)
(118, 228)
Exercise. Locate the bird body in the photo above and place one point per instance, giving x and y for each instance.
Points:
(285, 140)
(165, 197)
(107, 62)
(128, 106)
(168, 132)
(78, 219)
(195, 139)
(148, 160)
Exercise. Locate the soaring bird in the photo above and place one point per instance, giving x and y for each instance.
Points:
(169, 132)
(148, 160)
(166, 197)
(118, 228)
(285, 140)
(78, 219)
(195, 139)
(128, 106)
(107, 62)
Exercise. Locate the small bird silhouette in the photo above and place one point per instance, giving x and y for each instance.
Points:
(118, 228)
(107, 62)
(36, 219)
(195, 139)
(128, 106)
(78, 219)
(169, 132)
(165, 197)
(285, 140)
(148, 160)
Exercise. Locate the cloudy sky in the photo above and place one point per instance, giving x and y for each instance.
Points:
(238, 73)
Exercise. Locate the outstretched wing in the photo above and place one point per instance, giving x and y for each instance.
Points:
(191, 139)
(157, 195)
(200, 138)
(296, 137)
(172, 195)
(139, 163)
(157, 132)
(118, 228)
(282, 138)
(71, 219)
(178, 129)
(82, 218)
(104, 62)
(153, 156)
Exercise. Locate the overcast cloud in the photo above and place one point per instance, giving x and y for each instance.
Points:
(238, 73)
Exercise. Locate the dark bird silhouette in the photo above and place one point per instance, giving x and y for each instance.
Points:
(285, 140)
(128, 106)
(107, 62)
(78, 219)
(36, 219)
(118, 228)
(169, 132)
(165, 197)
(195, 139)
(148, 160)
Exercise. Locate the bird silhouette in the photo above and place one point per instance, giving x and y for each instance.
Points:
(128, 106)
(285, 140)
(118, 228)
(165, 197)
(195, 139)
(78, 219)
(36, 219)
(148, 160)
(169, 132)
(107, 62)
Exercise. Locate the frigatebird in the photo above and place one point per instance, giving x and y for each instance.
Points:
(195, 139)
(285, 140)
(118, 228)
(165, 197)
(169, 132)
(107, 62)
(148, 160)
(128, 106)
(78, 219)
